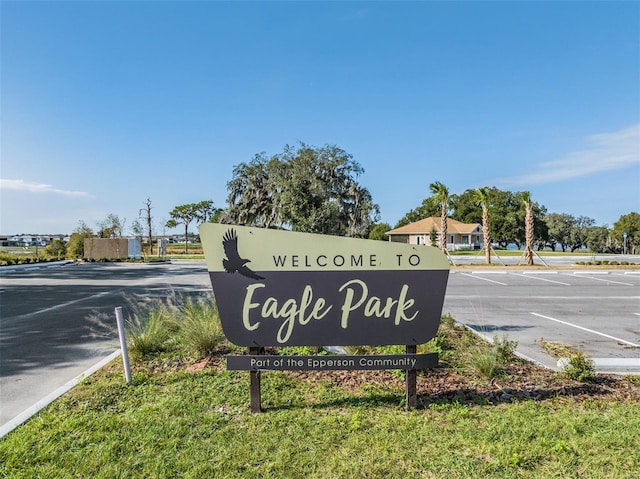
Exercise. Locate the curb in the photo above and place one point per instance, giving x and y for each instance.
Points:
(30, 266)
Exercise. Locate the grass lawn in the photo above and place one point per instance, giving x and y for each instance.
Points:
(187, 417)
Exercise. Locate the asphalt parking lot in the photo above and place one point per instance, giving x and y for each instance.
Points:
(594, 311)
(49, 334)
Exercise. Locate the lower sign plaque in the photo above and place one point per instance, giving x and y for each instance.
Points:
(331, 363)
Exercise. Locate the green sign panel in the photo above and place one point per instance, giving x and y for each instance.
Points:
(282, 288)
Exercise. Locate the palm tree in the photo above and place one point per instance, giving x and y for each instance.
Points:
(441, 194)
(482, 197)
(528, 227)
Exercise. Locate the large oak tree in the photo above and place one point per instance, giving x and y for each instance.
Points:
(304, 188)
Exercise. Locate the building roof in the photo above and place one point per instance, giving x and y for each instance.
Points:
(425, 226)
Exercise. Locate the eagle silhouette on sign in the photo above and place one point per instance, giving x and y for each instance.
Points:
(233, 262)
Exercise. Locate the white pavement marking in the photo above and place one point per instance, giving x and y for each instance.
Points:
(484, 279)
(587, 329)
(58, 306)
(591, 272)
(7, 427)
(613, 282)
(542, 279)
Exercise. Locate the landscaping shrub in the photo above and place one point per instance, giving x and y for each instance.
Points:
(200, 327)
(150, 331)
(580, 368)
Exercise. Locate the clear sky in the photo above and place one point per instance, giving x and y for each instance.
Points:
(106, 104)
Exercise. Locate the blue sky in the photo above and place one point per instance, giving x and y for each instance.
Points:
(106, 104)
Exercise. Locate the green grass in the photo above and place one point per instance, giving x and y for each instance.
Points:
(198, 425)
(172, 423)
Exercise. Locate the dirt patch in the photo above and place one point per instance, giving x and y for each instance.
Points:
(518, 381)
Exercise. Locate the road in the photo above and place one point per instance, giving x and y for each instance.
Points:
(56, 322)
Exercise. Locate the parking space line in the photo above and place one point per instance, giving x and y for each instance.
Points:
(587, 329)
(542, 279)
(582, 275)
(611, 281)
(623, 275)
(591, 272)
(484, 279)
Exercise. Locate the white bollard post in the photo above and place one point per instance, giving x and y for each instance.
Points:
(123, 344)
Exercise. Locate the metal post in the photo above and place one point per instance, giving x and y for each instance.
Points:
(410, 381)
(254, 384)
(123, 344)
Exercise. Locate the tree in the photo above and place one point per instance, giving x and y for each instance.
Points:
(427, 209)
(217, 216)
(482, 197)
(185, 214)
(111, 227)
(56, 249)
(598, 239)
(148, 221)
(378, 232)
(305, 188)
(629, 224)
(506, 215)
(580, 231)
(254, 193)
(559, 225)
(528, 227)
(205, 210)
(75, 247)
(441, 193)
(433, 236)
(570, 232)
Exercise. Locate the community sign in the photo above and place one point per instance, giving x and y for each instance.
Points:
(283, 288)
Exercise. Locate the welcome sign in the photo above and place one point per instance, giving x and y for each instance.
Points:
(282, 288)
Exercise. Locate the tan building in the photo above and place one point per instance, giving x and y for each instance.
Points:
(460, 236)
(111, 248)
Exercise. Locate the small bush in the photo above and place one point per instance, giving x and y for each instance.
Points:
(150, 331)
(485, 363)
(580, 368)
(447, 320)
(504, 348)
(439, 344)
(200, 327)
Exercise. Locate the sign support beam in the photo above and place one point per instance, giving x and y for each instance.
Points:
(410, 381)
(254, 384)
